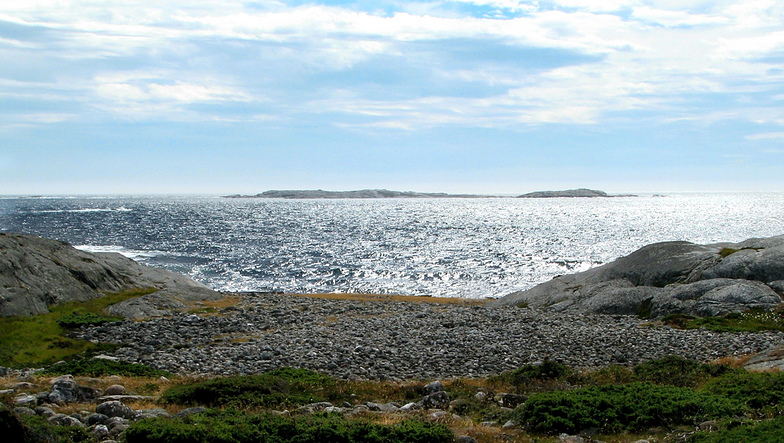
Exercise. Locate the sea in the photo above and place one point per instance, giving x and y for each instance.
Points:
(440, 247)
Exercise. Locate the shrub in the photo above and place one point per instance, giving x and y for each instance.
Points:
(767, 431)
(548, 370)
(616, 408)
(233, 426)
(96, 367)
(281, 387)
(677, 371)
(754, 390)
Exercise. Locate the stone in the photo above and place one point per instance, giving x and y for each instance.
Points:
(100, 432)
(465, 439)
(96, 419)
(566, 438)
(36, 273)
(115, 390)
(26, 400)
(669, 278)
(436, 400)
(21, 410)
(64, 420)
(433, 387)
(115, 409)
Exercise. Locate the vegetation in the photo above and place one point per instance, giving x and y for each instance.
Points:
(41, 340)
(35, 429)
(284, 387)
(768, 431)
(93, 367)
(670, 394)
(617, 408)
(234, 426)
(753, 321)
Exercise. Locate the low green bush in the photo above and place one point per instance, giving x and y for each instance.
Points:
(766, 431)
(678, 371)
(96, 367)
(281, 387)
(524, 375)
(219, 426)
(618, 408)
(758, 391)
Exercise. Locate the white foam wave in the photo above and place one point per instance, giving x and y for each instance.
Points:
(130, 253)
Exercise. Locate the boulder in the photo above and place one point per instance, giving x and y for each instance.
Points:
(115, 409)
(36, 273)
(668, 278)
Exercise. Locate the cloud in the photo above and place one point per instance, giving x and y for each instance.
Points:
(766, 136)
(563, 61)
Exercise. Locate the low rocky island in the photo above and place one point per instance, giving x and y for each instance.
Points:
(360, 194)
(572, 193)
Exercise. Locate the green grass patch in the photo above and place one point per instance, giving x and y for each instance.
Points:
(750, 321)
(218, 426)
(40, 340)
(95, 367)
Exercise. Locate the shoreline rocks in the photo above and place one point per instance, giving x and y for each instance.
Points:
(400, 341)
(36, 273)
(670, 278)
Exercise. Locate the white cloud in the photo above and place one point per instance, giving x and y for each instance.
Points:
(671, 18)
(766, 136)
(645, 60)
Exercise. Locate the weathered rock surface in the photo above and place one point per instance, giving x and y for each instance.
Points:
(36, 273)
(670, 277)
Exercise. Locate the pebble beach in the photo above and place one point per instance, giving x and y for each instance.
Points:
(395, 340)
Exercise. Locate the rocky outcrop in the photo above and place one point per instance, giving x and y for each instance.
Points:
(582, 192)
(670, 277)
(36, 273)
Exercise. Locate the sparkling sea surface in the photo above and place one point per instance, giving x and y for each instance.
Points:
(471, 248)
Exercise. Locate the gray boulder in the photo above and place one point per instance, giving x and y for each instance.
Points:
(36, 273)
(115, 409)
(667, 278)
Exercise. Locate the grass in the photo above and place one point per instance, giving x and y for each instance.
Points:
(40, 340)
(750, 321)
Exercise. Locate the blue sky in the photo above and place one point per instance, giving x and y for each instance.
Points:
(482, 96)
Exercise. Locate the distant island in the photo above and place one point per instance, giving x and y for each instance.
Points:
(363, 193)
(385, 193)
(582, 192)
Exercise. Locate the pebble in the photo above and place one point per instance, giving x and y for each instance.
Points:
(388, 340)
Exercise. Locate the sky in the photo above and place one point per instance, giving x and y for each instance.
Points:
(475, 96)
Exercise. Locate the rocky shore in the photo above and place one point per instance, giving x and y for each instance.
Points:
(397, 340)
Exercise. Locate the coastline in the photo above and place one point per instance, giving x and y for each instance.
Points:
(384, 338)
